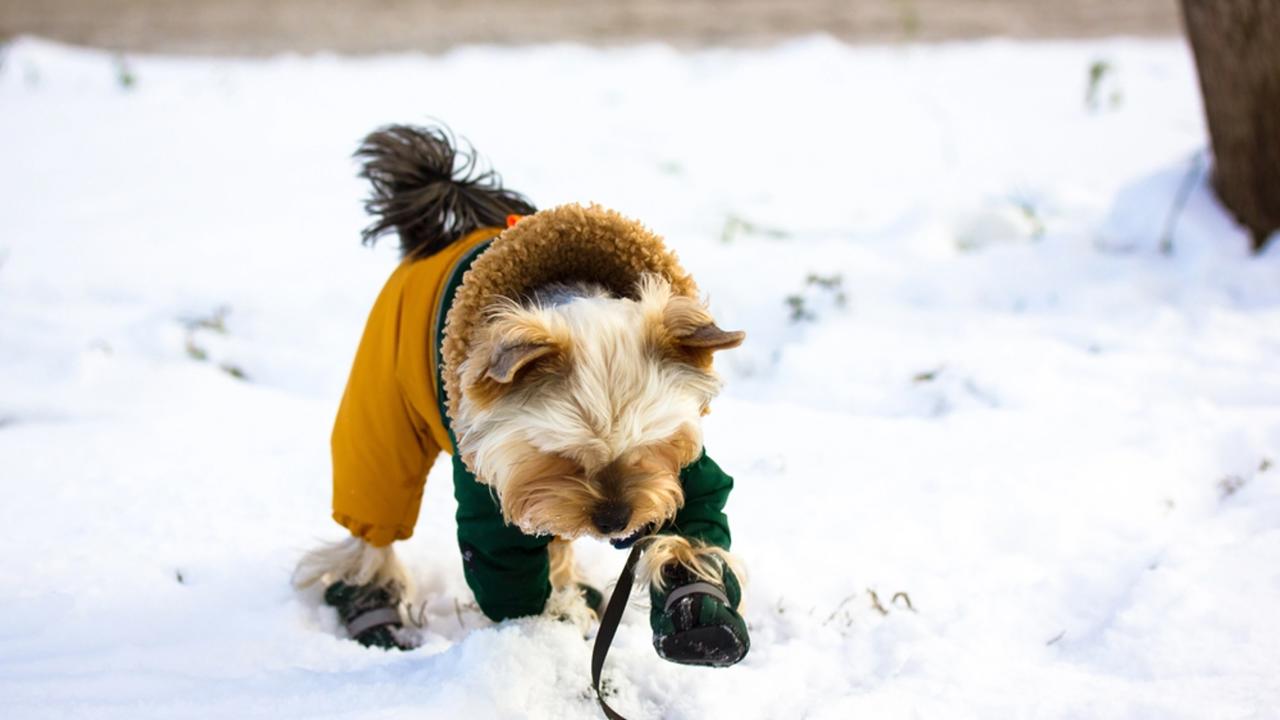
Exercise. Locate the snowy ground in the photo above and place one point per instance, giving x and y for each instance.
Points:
(971, 376)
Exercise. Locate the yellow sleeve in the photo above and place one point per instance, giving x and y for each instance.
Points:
(382, 447)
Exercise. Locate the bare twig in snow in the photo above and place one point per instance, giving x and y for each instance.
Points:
(875, 602)
(1189, 182)
(839, 607)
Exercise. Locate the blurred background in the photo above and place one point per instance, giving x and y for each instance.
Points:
(372, 26)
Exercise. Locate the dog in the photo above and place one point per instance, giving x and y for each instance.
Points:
(564, 359)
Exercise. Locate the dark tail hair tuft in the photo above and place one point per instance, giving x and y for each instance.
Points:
(429, 190)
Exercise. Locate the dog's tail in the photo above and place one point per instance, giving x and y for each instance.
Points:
(429, 190)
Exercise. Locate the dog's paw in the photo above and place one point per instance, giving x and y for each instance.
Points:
(696, 622)
(370, 613)
(574, 604)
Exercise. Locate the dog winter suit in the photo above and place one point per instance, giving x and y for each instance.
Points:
(394, 418)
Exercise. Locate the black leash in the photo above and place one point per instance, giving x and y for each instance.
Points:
(609, 624)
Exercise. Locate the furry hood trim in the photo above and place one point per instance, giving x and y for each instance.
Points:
(566, 244)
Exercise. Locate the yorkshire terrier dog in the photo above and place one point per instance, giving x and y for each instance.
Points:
(564, 359)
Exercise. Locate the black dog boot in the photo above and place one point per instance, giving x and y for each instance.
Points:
(594, 598)
(696, 622)
(369, 612)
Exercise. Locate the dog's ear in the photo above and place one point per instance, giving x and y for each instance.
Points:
(687, 325)
(694, 343)
(507, 360)
(710, 338)
(680, 326)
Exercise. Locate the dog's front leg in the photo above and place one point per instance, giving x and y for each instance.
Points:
(571, 598)
(695, 597)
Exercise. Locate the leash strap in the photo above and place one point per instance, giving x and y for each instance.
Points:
(609, 625)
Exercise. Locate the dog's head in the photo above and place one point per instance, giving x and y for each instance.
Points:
(581, 413)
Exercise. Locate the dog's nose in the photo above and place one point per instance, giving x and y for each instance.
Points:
(611, 517)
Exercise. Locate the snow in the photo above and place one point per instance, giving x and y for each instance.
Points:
(972, 376)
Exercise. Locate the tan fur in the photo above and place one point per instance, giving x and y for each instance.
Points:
(704, 561)
(536, 337)
(352, 561)
(681, 327)
(563, 572)
(547, 493)
(570, 604)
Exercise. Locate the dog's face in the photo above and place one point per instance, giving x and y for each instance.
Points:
(580, 414)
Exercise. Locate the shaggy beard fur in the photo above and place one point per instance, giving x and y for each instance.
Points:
(587, 406)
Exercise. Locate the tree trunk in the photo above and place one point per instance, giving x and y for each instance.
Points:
(1237, 50)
